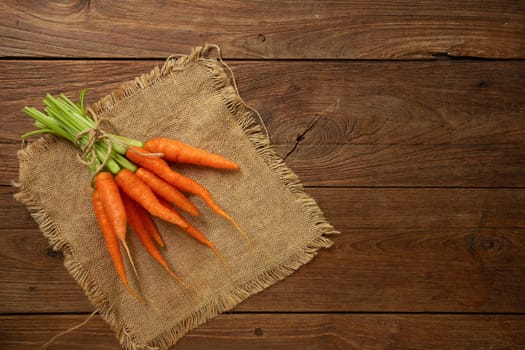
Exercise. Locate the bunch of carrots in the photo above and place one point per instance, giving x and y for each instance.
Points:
(133, 181)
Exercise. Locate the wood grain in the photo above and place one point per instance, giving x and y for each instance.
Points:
(417, 157)
(349, 124)
(378, 103)
(442, 250)
(288, 331)
(377, 208)
(286, 29)
(382, 166)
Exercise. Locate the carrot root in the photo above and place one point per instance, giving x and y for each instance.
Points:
(167, 191)
(150, 226)
(237, 227)
(133, 211)
(176, 151)
(109, 195)
(135, 295)
(136, 189)
(207, 198)
(221, 257)
(132, 263)
(173, 274)
(192, 231)
(185, 184)
(112, 243)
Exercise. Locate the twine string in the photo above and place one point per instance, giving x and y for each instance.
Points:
(88, 154)
(234, 82)
(69, 330)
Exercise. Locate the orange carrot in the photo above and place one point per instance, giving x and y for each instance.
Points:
(196, 234)
(114, 208)
(112, 242)
(110, 197)
(162, 169)
(150, 225)
(135, 221)
(165, 190)
(176, 151)
(206, 196)
(202, 239)
(135, 188)
(154, 164)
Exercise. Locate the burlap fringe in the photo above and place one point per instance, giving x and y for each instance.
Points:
(54, 237)
(243, 115)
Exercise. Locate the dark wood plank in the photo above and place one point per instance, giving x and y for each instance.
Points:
(421, 208)
(377, 208)
(382, 166)
(417, 250)
(375, 103)
(469, 270)
(311, 29)
(406, 166)
(289, 331)
(374, 124)
(388, 103)
(33, 331)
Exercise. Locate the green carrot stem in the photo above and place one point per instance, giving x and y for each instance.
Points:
(38, 131)
(48, 121)
(117, 146)
(111, 164)
(124, 162)
(60, 111)
(127, 141)
(78, 115)
(118, 158)
(66, 119)
(83, 93)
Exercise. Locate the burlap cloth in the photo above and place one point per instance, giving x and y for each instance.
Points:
(192, 99)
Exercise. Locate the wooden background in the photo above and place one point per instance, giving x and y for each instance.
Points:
(405, 120)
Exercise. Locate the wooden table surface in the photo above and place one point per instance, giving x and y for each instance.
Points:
(404, 119)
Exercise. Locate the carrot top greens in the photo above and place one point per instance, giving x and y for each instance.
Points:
(66, 119)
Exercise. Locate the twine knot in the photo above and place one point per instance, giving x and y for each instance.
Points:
(88, 152)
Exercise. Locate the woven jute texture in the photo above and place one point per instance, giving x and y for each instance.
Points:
(190, 98)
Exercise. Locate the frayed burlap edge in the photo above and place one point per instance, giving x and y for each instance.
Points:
(244, 116)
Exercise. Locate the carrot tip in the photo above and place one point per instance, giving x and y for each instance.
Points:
(135, 295)
(240, 230)
(219, 255)
(177, 278)
(222, 213)
(126, 248)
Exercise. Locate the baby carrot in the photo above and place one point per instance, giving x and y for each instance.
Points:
(154, 164)
(150, 225)
(135, 188)
(196, 234)
(112, 242)
(163, 189)
(135, 221)
(110, 198)
(176, 151)
(199, 190)
(202, 239)
(162, 169)
(114, 208)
